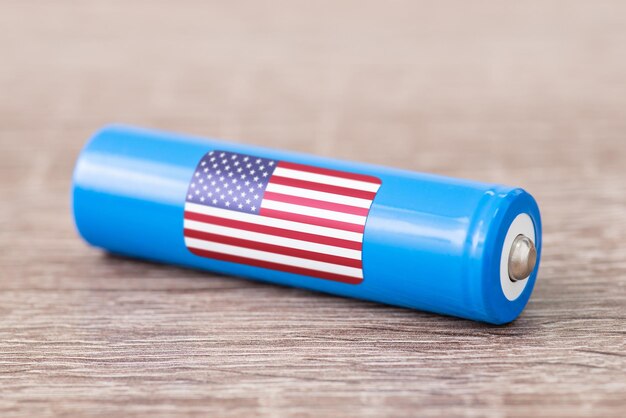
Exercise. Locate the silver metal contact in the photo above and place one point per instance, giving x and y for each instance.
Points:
(522, 258)
(518, 258)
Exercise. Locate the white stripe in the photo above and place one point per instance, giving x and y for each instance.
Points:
(272, 239)
(315, 212)
(314, 194)
(324, 179)
(277, 223)
(273, 257)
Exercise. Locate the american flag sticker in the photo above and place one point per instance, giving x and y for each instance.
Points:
(278, 215)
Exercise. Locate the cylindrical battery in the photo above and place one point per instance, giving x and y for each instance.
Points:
(416, 240)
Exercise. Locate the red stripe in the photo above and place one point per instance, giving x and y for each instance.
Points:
(277, 266)
(329, 172)
(271, 248)
(271, 230)
(303, 184)
(314, 203)
(305, 219)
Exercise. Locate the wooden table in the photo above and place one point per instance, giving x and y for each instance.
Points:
(530, 94)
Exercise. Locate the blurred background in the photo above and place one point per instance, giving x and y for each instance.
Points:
(436, 84)
(523, 93)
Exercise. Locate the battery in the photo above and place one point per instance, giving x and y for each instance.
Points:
(421, 241)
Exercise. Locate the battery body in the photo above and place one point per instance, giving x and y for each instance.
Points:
(422, 241)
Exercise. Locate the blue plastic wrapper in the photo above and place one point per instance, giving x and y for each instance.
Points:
(403, 238)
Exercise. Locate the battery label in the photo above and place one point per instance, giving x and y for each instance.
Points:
(279, 215)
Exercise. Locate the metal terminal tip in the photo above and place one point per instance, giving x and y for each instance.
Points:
(522, 258)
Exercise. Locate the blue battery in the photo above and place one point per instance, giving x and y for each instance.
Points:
(421, 241)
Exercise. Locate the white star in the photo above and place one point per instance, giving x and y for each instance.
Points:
(222, 178)
(258, 161)
(226, 185)
(238, 187)
(213, 183)
(206, 170)
(248, 201)
(246, 159)
(203, 163)
(253, 208)
(236, 163)
(240, 206)
(190, 196)
(204, 187)
(218, 190)
(233, 181)
(252, 172)
(248, 165)
(193, 185)
(243, 194)
(271, 163)
(251, 189)
(230, 192)
(247, 183)
(210, 194)
(260, 186)
(227, 167)
(197, 174)
(197, 192)
(222, 197)
(209, 176)
(256, 178)
(256, 197)
(227, 204)
(243, 176)
(212, 159)
(239, 170)
(200, 181)
(222, 154)
(214, 201)
(230, 174)
(215, 165)
(234, 157)
(265, 174)
(202, 199)
(235, 198)
(218, 172)
(211, 153)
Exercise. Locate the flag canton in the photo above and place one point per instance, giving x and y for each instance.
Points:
(232, 181)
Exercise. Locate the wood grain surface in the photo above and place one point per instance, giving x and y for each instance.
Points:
(523, 93)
